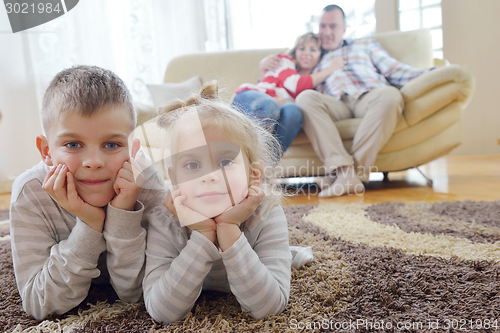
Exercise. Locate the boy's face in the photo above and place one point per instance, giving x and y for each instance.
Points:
(93, 148)
(211, 171)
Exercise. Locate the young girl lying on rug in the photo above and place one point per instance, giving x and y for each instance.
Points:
(222, 227)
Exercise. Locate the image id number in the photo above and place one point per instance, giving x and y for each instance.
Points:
(24, 8)
(463, 324)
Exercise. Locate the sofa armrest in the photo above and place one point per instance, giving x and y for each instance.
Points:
(434, 90)
(441, 62)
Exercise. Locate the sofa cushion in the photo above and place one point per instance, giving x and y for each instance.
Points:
(410, 47)
(162, 94)
(230, 68)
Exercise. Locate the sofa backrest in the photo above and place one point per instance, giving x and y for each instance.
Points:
(232, 68)
(229, 68)
(410, 47)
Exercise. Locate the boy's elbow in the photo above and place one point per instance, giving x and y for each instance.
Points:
(44, 302)
(35, 305)
(39, 311)
(36, 313)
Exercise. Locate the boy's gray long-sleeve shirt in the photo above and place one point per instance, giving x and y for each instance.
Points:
(56, 256)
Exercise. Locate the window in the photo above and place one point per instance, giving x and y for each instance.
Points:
(258, 24)
(415, 14)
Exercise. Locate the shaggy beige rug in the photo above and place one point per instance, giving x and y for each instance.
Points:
(388, 267)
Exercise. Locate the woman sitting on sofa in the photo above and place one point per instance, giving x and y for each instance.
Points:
(271, 101)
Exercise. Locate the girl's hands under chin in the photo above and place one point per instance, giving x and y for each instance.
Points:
(228, 223)
(190, 218)
(242, 211)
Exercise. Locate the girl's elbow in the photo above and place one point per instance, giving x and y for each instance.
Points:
(277, 308)
(160, 316)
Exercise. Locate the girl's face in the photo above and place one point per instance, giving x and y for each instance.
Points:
(211, 170)
(307, 55)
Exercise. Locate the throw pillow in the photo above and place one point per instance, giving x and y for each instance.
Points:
(162, 94)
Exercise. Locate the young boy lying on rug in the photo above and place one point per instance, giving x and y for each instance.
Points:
(77, 215)
(222, 228)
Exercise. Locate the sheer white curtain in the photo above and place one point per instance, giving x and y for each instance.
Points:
(133, 38)
(215, 25)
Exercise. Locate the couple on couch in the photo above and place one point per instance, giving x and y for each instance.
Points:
(352, 79)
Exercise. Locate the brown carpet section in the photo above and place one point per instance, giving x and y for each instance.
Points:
(393, 287)
(399, 288)
(481, 212)
(388, 213)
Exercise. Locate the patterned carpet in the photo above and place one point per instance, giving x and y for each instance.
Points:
(389, 267)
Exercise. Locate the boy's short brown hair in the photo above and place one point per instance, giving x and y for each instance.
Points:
(84, 90)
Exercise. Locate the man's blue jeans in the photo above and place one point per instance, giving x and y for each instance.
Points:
(283, 122)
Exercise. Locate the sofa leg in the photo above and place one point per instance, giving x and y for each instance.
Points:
(386, 177)
(429, 181)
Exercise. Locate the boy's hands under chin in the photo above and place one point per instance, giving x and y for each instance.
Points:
(60, 184)
(228, 223)
(128, 185)
(174, 202)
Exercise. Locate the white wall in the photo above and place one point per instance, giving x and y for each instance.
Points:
(386, 13)
(20, 123)
(471, 35)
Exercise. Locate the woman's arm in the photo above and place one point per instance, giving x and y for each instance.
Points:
(336, 63)
(269, 63)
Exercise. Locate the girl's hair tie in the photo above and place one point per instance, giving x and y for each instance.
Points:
(210, 91)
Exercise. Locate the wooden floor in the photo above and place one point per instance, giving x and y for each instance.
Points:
(454, 178)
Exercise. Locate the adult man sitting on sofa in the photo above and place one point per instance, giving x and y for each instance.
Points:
(361, 89)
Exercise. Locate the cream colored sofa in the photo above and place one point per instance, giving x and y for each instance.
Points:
(429, 127)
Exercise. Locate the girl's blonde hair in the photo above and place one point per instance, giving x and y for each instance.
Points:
(259, 145)
(301, 40)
